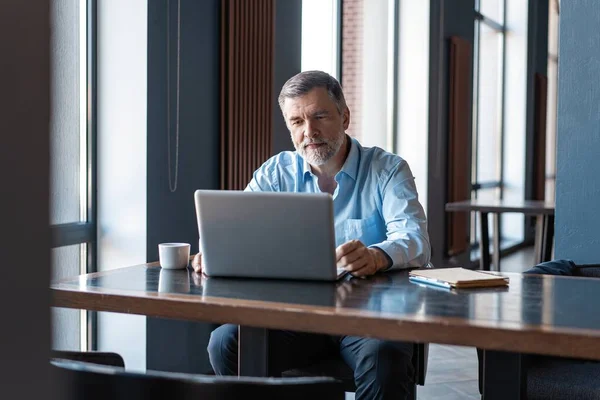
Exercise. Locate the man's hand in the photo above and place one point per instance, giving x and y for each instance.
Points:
(197, 263)
(360, 260)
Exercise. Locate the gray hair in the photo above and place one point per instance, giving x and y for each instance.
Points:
(302, 83)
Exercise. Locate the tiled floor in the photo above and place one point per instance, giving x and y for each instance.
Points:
(451, 374)
(452, 370)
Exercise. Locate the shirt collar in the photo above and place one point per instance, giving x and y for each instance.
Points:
(350, 167)
(306, 171)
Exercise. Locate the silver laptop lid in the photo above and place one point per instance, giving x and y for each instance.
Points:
(266, 234)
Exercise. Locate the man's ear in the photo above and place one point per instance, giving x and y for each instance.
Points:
(346, 118)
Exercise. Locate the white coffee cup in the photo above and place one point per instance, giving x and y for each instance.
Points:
(174, 255)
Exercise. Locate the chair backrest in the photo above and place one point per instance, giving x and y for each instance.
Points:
(588, 270)
(81, 380)
(94, 357)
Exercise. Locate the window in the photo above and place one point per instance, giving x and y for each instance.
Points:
(320, 36)
(334, 38)
(72, 202)
(488, 99)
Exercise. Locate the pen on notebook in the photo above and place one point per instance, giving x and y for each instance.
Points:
(429, 281)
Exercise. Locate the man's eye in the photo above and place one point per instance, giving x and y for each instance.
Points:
(295, 123)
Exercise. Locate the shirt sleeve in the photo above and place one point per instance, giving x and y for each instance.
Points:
(264, 179)
(407, 244)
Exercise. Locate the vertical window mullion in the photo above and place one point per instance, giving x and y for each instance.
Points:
(475, 125)
(91, 247)
(502, 107)
(83, 145)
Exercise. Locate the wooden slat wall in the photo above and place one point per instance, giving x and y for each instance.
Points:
(459, 142)
(247, 42)
(539, 174)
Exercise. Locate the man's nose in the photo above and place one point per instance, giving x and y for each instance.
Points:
(311, 130)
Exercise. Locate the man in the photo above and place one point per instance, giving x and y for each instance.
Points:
(379, 225)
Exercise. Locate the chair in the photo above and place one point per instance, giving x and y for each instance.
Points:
(338, 369)
(94, 357)
(93, 381)
(551, 378)
(588, 270)
(554, 378)
(560, 378)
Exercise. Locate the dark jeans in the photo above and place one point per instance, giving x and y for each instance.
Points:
(382, 369)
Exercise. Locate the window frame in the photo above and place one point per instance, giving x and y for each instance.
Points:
(84, 232)
(476, 185)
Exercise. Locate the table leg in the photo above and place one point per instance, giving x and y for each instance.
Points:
(547, 238)
(496, 242)
(252, 351)
(539, 235)
(504, 376)
(484, 244)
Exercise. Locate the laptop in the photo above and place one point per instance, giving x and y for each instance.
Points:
(278, 235)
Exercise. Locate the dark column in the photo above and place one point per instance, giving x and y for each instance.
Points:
(172, 215)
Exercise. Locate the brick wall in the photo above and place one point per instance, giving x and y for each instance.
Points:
(352, 51)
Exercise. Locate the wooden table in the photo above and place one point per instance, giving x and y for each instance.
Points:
(544, 231)
(535, 314)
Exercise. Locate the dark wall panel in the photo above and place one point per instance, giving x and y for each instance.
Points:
(24, 205)
(537, 63)
(171, 215)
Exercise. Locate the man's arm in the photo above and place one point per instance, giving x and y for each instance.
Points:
(407, 243)
(264, 179)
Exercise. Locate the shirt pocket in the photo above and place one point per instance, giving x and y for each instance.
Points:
(367, 230)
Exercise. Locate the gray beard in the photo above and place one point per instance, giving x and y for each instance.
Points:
(323, 154)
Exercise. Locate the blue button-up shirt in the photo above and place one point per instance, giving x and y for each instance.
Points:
(375, 200)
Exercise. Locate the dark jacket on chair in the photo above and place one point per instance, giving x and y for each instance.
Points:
(567, 268)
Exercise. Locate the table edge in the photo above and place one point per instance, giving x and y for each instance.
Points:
(567, 342)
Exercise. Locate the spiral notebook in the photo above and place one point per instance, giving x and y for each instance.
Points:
(457, 278)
